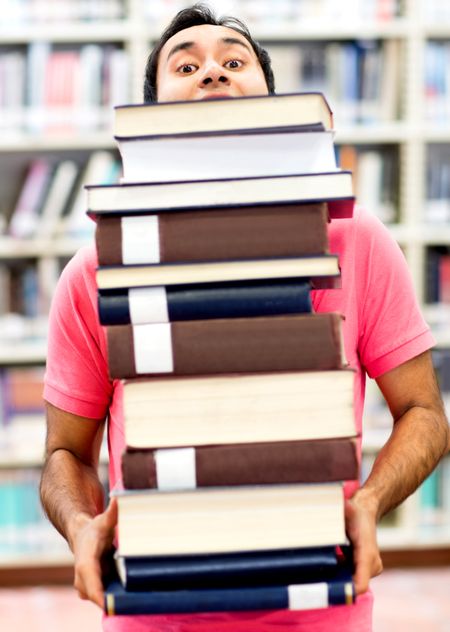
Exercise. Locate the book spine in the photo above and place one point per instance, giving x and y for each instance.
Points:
(221, 234)
(231, 570)
(277, 343)
(199, 302)
(293, 597)
(245, 464)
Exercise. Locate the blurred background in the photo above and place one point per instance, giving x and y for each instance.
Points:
(384, 66)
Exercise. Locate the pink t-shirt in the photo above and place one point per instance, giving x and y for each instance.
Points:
(383, 328)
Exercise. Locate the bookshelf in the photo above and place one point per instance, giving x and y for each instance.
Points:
(391, 39)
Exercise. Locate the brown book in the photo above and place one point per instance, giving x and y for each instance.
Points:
(234, 345)
(313, 461)
(230, 519)
(213, 234)
(206, 410)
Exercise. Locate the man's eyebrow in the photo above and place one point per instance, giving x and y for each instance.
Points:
(178, 47)
(235, 40)
(187, 45)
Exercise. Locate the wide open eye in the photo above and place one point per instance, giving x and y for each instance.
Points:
(187, 69)
(233, 64)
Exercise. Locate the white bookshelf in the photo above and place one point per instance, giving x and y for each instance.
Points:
(410, 136)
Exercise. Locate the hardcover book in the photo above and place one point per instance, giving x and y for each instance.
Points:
(246, 232)
(307, 461)
(240, 408)
(321, 267)
(307, 109)
(320, 594)
(226, 520)
(244, 568)
(232, 345)
(335, 188)
(161, 304)
(267, 152)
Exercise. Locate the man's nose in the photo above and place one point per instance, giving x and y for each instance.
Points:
(214, 74)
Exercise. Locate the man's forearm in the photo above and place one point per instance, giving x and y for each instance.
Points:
(418, 440)
(71, 493)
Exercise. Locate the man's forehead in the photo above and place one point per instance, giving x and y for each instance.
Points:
(201, 33)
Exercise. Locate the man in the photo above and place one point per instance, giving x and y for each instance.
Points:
(199, 57)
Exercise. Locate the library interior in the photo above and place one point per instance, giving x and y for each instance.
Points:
(383, 66)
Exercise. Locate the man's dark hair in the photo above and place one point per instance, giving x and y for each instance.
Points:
(194, 16)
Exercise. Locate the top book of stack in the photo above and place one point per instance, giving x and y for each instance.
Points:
(308, 110)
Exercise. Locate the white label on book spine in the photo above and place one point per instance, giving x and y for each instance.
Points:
(153, 348)
(140, 239)
(148, 305)
(175, 469)
(308, 596)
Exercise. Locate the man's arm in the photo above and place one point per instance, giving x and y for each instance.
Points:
(420, 437)
(72, 495)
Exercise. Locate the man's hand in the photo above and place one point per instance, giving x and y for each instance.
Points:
(360, 522)
(92, 540)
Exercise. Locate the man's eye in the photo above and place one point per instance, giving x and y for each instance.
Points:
(187, 69)
(234, 63)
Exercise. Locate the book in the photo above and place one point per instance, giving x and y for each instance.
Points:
(57, 198)
(308, 461)
(309, 110)
(321, 594)
(24, 220)
(318, 267)
(223, 233)
(240, 408)
(221, 520)
(334, 187)
(227, 345)
(252, 568)
(159, 304)
(233, 155)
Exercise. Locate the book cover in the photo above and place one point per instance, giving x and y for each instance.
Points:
(239, 408)
(335, 188)
(160, 304)
(245, 232)
(259, 568)
(308, 461)
(233, 345)
(322, 594)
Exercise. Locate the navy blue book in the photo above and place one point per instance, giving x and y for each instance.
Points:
(203, 301)
(248, 568)
(338, 590)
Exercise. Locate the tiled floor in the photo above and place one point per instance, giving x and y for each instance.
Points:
(405, 601)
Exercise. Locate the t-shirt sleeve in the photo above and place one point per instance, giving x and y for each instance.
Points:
(392, 328)
(76, 378)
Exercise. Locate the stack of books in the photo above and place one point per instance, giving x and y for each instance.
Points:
(238, 403)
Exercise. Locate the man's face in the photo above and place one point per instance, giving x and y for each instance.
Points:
(208, 61)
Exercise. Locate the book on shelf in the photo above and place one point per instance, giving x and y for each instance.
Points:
(307, 461)
(244, 232)
(337, 590)
(234, 345)
(323, 268)
(231, 155)
(221, 520)
(310, 110)
(240, 299)
(242, 568)
(57, 198)
(25, 217)
(239, 409)
(334, 187)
